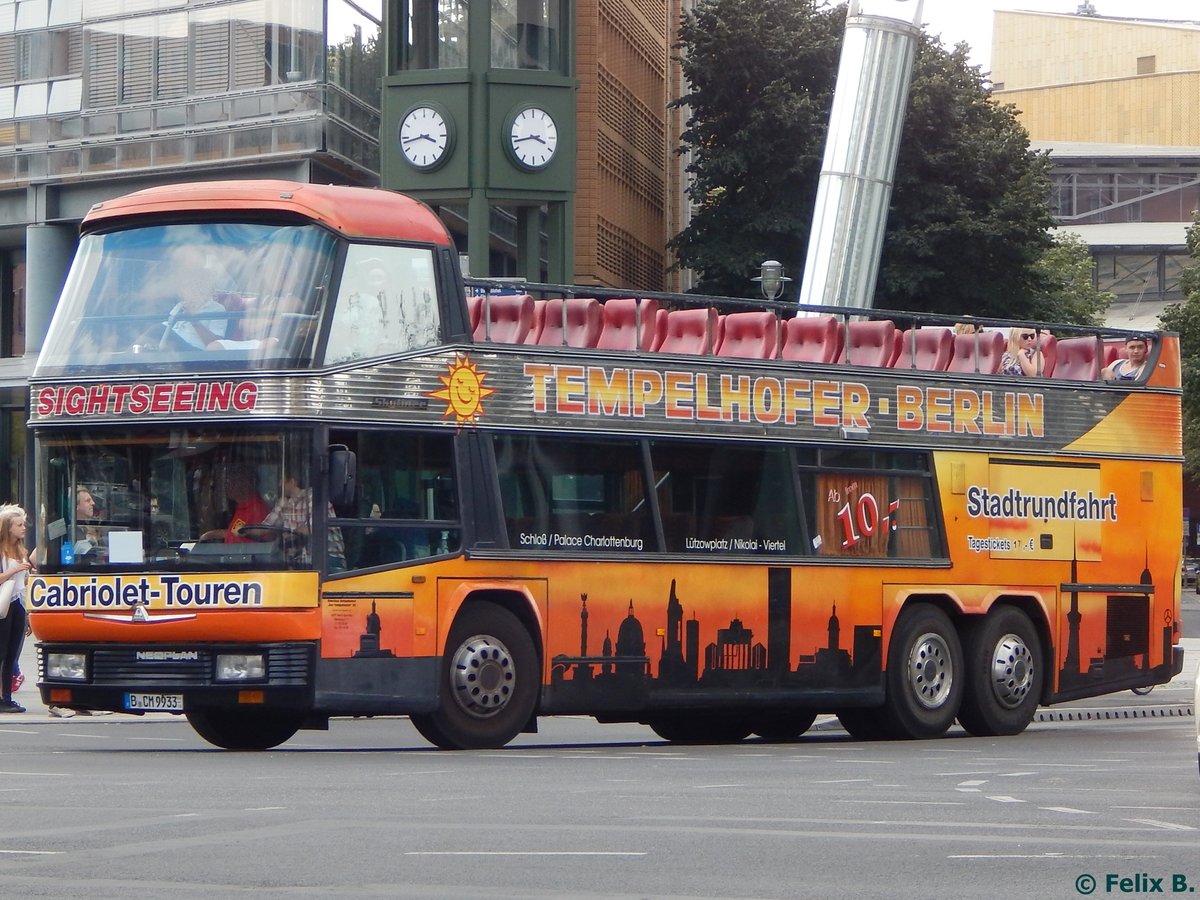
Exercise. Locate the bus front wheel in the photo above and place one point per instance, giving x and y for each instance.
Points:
(245, 729)
(489, 682)
(924, 675)
(1004, 674)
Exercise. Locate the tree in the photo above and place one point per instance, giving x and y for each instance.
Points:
(969, 214)
(760, 84)
(1184, 318)
(1069, 292)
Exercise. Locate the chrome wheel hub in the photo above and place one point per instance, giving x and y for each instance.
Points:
(930, 670)
(482, 675)
(1012, 671)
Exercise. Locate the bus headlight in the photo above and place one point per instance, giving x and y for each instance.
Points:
(240, 667)
(70, 666)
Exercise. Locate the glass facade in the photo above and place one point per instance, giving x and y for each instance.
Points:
(184, 83)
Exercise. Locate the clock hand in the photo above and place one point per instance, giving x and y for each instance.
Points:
(418, 137)
(530, 137)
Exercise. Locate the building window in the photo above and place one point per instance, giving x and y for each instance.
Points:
(1145, 65)
(434, 34)
(525, 34)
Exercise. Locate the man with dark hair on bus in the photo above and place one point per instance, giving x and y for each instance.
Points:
(1137, 349)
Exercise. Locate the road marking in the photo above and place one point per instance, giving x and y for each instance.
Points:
(1155, 823)
(34, 852)
(1068, 809)
(1001, 798)
(18, 731)
(845, 781)
(1048, 855)
(524, 853)
(974, 783)
(1157, 808)
(1015, 774)
(262, 808)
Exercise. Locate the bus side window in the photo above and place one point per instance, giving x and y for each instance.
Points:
(406, 503)
(567, 494)
(726, 498)
(879, 506)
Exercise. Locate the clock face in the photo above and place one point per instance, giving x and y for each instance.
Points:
(425, 137)
(533, 138)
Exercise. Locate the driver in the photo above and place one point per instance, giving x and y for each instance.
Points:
(294, 513)
(249, 508)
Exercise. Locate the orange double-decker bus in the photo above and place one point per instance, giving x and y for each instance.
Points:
(327, 481)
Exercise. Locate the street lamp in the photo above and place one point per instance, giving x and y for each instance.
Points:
(772, 280)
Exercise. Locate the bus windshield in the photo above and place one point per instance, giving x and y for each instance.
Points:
(209, 295)
(188, 499)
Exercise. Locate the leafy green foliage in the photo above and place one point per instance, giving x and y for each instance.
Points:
(1068, 292)
(969, 215)
(1184, 318)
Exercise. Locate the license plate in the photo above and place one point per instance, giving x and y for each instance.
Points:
(155, 702)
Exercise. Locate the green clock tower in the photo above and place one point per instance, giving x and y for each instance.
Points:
(479, 121)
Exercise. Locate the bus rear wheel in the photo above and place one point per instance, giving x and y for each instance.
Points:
(245, 729)
(489, 682)
(1004, 674)
(924, 675)
(701, 728)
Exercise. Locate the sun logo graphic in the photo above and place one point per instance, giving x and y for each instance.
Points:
(463, 390)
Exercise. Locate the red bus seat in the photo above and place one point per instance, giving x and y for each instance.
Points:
(536, 325)
(584, 319)
(1048, 344)
(1077, 358)
(628, 324)
(928, 349)
(749, 335)
(981, 352)
(870, 343)
(689, 331)
(1113, 350)
(507, 319)
(811, 339)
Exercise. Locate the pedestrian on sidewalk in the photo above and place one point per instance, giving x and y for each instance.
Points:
(15, 564)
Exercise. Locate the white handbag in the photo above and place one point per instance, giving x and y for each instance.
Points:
(7, 590)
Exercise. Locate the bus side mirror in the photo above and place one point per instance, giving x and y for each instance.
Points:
(343, 475)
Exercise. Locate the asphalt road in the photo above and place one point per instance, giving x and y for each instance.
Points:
(124, 808)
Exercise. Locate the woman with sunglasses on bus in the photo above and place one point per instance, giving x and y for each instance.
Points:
(1022, 356)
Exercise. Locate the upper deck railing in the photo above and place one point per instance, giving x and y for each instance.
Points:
(506, 312)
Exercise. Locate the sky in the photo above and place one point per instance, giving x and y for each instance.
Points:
(971, 20)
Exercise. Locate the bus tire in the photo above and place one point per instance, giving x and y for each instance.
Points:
(1004, 674)
(785, 725)
(864, 723)
(489, 682)
(924, 676)
(244, 729)
(701, 728)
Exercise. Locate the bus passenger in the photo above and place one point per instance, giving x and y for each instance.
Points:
(1023, 357)
(967, 328)
(294, 511)
(1137, 348)
(197, 319)
(87, 535)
